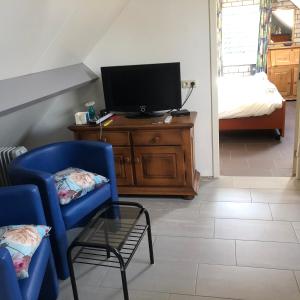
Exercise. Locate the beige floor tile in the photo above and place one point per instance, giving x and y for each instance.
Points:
(275, 196)
(110, 294)
(211, 251)
(232, 210)
(241, 171)
(174, 214)
(263, 163)
(188, 297)
(280, 172)
(236, 163)
(165, 203)
(201, 227)
(246, 283)
(223, 181)
(297, 275)
(178, 278)
(268, 255)
(255, 230)
(185, 237)
(266, 182)
(86, 275)
(284, 163)
(285, 212)
(224, 195)
(296, 226)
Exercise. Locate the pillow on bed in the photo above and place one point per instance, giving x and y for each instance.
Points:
(22, 241)
(72, 183)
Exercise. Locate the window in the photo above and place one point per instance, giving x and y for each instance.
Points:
(240, 27)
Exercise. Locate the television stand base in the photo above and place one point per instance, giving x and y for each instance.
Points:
(144, 115)
(178, 113)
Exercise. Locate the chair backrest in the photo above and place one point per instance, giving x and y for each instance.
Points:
(49, 158)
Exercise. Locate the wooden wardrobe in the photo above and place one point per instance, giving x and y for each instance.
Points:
(283, 69)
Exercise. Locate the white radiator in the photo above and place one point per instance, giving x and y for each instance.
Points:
(7, 154)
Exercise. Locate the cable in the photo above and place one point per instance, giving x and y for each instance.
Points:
(186, 98)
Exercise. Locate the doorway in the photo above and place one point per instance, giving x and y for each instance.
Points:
(251, 153)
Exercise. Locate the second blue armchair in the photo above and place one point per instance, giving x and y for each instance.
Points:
(38, 166)
(22, 205)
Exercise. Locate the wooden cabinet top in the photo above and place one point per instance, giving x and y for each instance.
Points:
(121, 123)
(283, 47)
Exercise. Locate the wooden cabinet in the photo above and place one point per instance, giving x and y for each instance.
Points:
(283, 70)
(151, 158)
(281, 76)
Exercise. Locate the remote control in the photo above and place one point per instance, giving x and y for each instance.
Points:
(168, 120)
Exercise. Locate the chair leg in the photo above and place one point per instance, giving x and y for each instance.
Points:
(60, 247)
(150, 244)
(72, 274)
(49, 289)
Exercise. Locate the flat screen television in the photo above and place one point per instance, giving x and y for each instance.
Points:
(142, 90)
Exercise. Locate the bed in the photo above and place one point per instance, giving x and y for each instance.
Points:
(250, 103)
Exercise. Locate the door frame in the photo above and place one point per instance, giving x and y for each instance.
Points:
(213, 87)
(296, 152)
(214, 100)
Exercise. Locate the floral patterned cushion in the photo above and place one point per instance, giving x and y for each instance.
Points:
(72, 183)
(21, 241)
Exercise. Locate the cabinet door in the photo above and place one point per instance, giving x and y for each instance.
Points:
(159, 166)
(295, 79)
(282, 78)
(123, 165)
(295, 56)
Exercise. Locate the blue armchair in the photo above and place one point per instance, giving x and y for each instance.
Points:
(22, 205)
(39, 165)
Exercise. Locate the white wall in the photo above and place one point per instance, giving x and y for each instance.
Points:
(40, 35)
(45, 122)
(165, 31)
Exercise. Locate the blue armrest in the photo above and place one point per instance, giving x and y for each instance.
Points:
(9, 282)
(45, 183)
(21, 205)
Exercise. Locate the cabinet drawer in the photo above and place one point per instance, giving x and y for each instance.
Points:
(116, 138)
(281, 57)
(157, 137)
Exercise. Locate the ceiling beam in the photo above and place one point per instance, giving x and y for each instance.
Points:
(19, 92)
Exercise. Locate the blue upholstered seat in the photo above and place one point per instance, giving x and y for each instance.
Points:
(38, 167)
(22, 205)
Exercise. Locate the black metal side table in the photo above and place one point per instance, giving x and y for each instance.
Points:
(110, 239)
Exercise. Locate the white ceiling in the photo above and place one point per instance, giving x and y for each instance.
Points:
(38, 35)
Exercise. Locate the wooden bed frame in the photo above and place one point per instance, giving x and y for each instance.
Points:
(276, 120)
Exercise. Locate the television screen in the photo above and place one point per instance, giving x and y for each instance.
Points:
(142, 88)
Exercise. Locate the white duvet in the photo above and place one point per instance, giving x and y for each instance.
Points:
(247, 96)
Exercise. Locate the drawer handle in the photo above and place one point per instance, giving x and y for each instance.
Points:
(137, 160)
(104, 139)
(127, 159)
(156, 139)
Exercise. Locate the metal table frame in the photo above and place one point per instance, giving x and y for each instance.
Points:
(99, 254)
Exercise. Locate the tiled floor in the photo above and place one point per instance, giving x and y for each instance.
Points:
(257, 153)
(238, 239)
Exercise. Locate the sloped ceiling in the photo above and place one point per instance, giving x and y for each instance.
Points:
(39, 35)
(296, 2)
